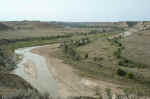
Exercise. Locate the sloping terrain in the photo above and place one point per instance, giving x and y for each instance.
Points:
(137, 47)
(112, 57)
(4, 27)
(70, 83)
(26, 29)
(109, 54)
(12, 86)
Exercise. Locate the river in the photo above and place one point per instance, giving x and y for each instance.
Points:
(33, 68)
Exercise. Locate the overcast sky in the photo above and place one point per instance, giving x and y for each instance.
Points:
(75, 10)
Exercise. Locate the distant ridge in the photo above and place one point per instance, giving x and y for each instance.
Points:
(4, 27)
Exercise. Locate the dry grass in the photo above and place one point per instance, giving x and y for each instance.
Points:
(25, 29)
(137, 47)
(10, 83)
(103, 64)
(100, 49)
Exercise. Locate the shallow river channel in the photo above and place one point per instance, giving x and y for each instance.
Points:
(33, 68)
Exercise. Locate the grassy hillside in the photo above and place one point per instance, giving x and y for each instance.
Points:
(4, 27)
(119, 60)
(137, 47)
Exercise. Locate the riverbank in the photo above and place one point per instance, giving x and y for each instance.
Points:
(70, 83)
(33, 68)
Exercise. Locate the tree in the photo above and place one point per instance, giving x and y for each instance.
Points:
(86, 56)
(121, 72)
(130, 75)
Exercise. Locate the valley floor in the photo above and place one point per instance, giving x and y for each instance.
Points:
(70, 83)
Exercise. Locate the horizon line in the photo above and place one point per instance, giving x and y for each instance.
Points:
(32, 20)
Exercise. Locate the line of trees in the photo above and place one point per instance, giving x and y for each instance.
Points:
(71, 52)
(7, 41)
(69, 47)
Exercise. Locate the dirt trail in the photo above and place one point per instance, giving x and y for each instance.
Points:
(71, 84)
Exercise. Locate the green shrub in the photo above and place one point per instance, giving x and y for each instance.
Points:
(7, 62)
(76, 57)
(131, 23)
(121, 72)
(123, 63)
(116, 41)
(97, 91)
(95, 59)
(118, 53)
(130, 75)
(86, 55)
(98, 59)
(71, 52)
(129, 63)
(126, 62)
(109, 93)
(101, 58)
